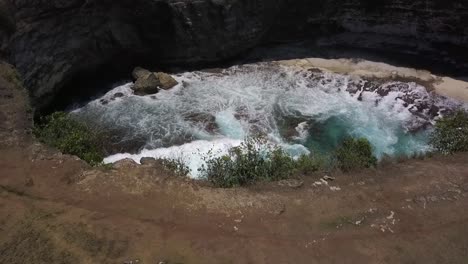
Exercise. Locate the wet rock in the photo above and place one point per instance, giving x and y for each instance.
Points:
(166, 81)
(147, 85)
(205, 120)
(139, 72)
(147, 161)
(117, 95)
(147, 82)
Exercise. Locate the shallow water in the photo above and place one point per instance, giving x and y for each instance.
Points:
(301, 111)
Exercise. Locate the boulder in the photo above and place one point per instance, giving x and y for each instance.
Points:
(147, 82)
(148, 161)
(147, 85)
(139, 72)
(167, 82)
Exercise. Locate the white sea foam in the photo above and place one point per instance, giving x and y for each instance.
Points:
(216, 111)
(193, 154)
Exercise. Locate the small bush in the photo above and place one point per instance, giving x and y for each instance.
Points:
(253, 161)
(355, 154)
(307, 164)
(177, 166)
(61, 131)
(451, 133)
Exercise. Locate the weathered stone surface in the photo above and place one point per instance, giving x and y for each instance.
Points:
(53, 42)
(150, 82)
(167, 82)
(147, 85)
(57, 40)
(139, 72)
(148, 161)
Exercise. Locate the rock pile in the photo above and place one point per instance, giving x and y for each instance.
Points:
(147, 82)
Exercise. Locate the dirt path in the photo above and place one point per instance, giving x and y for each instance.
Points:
(56, 209)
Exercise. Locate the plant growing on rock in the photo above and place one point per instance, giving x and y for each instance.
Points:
(451, 133)
(70, 136)
(355, 153)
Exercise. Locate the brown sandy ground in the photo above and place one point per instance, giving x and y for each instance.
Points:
(56, 209)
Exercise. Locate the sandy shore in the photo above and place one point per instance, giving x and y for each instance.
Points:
(446, 86)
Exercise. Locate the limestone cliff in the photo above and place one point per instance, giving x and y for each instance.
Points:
(51, 42)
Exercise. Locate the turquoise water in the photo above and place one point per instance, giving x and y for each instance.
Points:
(324, 137)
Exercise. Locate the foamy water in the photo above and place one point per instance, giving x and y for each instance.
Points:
(300, 111)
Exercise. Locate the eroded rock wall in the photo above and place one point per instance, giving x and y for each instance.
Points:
(434, 28)
(56, 40)
(53, 41)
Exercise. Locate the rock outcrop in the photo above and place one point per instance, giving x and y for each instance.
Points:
(53, 42)
(167, 82)
(147, 82)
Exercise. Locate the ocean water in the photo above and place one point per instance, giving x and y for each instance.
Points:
(301, 111)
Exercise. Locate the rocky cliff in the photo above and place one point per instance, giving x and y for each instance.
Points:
(56, 42)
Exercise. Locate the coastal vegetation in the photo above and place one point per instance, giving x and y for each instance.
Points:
(254, 160)
(70, 136)
(355, 153)
(451, 133)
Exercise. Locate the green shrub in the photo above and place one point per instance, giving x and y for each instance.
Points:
(451, 133)
(177, 166)
(68, 135)
(355, 154)
(307, 164)
(253, 161)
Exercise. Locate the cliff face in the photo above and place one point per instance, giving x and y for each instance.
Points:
(53, 41)
(435, 28)
(57, 39)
